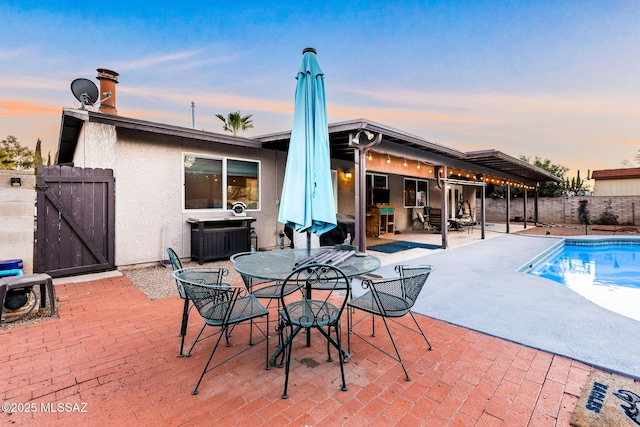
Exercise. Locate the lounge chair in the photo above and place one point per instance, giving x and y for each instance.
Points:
(435, 219)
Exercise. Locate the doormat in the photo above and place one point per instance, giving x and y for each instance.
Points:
(608, 401)
(401, 245)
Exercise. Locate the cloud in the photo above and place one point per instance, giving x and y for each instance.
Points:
(178, 59)
(13, 108)
(485, 105)
(33, 83)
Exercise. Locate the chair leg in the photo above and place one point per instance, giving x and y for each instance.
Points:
(183, 327)
(204, 371)
(293, 332)
(420, 329)
(396, 349)
(196, 341)
(339, 339)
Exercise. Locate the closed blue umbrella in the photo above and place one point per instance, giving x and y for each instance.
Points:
(307, 202)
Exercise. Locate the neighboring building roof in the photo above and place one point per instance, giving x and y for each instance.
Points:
(623, 173)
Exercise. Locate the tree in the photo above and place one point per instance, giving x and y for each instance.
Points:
(577, 186)
(550, 188)
(14, 156)
(634, 163)
(235, 122)
(37, 157)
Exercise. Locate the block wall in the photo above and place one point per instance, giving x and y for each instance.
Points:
(565, 209)
(17, 216)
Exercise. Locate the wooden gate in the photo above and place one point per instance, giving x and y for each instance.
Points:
(75, 220)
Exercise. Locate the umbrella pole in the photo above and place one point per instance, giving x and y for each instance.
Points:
(308, 243)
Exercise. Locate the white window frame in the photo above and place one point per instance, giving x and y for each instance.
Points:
(416, 181)
(224, 160)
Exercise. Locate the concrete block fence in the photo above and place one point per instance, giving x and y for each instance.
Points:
(565, 209)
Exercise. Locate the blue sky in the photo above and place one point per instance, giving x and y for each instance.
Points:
(555, 79)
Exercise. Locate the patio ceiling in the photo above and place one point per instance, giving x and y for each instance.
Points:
(399, 143)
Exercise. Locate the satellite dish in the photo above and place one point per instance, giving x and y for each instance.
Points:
(85, 91)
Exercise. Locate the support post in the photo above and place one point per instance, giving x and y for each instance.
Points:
(482, 211)
(524, 201)
(508, 205)
(444, 220)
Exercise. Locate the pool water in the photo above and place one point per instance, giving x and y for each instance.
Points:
(607, 274)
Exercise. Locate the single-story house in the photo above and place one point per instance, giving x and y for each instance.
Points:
(616, 182)
(165, 175)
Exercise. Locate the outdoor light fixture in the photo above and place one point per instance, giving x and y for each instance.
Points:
(370, 157)
(418, 164)
(388, 159)
(405, 163)
(348, 174)
(356, 139)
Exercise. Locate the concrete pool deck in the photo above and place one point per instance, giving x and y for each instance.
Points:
(477, 286)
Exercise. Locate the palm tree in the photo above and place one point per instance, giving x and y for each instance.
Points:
(234, 122)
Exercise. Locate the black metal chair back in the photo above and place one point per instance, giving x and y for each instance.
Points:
(217, 273)
(392, 298)
(322, 295)
(220, 305)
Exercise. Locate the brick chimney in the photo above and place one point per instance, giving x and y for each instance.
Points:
(108, 81)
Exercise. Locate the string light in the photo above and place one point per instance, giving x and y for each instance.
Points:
(405, 163)
(418, 164)
(370, 157)
(388, 159)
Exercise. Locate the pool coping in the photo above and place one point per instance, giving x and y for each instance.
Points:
(576, 241)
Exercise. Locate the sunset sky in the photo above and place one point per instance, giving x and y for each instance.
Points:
(555, 79)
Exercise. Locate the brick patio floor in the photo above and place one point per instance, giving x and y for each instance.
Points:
(115, 351)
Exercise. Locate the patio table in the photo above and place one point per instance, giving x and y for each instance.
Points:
(277, 265)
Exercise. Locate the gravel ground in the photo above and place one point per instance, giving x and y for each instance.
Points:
(156, 281)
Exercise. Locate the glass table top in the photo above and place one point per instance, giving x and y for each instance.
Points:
(278, 264)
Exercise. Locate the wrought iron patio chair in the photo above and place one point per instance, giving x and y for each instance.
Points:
(177, 265)
(411, 270)
(322, 291)
(223, 306)
(265, 289)
(392, 298)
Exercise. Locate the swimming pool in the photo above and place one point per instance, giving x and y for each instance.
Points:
(603, 270)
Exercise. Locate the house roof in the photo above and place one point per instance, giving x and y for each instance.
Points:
(623, 173)
(394, 142)
(400, 143)
(73, 119)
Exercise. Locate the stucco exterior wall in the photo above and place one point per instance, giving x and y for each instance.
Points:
(17, 214)
(149, 184)
(96, 147)
(617, 187)
(149, 195)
